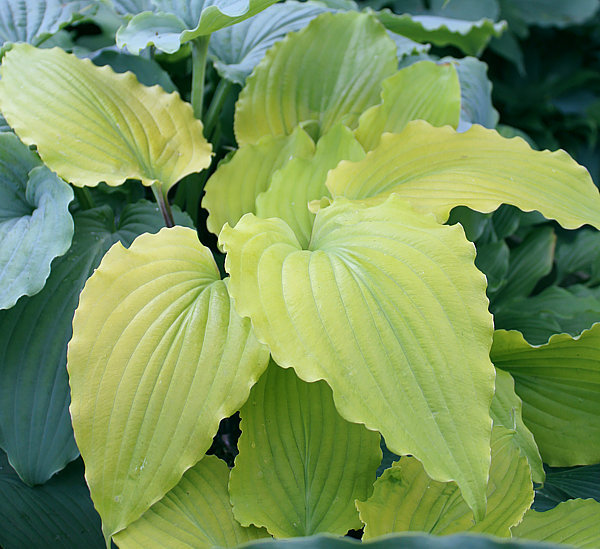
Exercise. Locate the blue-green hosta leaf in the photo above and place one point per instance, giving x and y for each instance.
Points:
(550, 13)
(425, 91)
(406, 47)
(387, 306)
(35, 425)
(158, 357)
(493, 260)
(92, 125)
(196, 514)
(237, 49)
(232, 190)
(559, 384)
(295, 84)
(301, 465)
(302, 180)
(35, 223)
(174, 22)
(131, 7)
(469, 36)
(580, 255)
(436, 169)
(58, 514)
(471, 10)
(406, 499)
(33, 21)
(575, 523)
(566, 483)
(506, 410)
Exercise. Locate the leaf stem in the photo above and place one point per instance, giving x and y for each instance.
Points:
(163, 204)
(216, 105)
(199, 50)
(84, 197)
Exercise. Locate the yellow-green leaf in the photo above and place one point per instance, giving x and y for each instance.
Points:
(406, 499)
(158, 357)
(424, 91)
(436, 169)
(575, 523)
(559, 383)
(297, 85)
(196, 514)
(90, 124)
(387, 306)
(301, 465)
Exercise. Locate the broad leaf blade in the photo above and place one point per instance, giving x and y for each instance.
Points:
(406, 499)
(562, 484)
(196, 514)
(35, 425)
(397, 325)
(92, 125)
(575, 523)
(35, 223)
(559, 384)
(301, 465)
(436, 169)
(295, 85)
(157, 348)
(424, 91)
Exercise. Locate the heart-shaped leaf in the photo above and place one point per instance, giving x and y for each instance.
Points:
(174, 22)
(157, 348)
(559, 384)
(406, 499)
(196, 514)
(35, 425)
(436, 169)
(301, 465)
(92, 125)
(387, 306)
(35, 223)
(296, 85)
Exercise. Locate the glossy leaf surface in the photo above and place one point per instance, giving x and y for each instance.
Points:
(295, 84)
(436, 169)
(92, 125)
(157, 348)
(301, 465)
(35, 223)
(196, 514)
(396, 300)
(559, 384)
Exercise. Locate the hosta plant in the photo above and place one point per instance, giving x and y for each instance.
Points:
(352, 310)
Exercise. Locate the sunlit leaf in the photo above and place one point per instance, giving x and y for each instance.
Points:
(436, 169)
(301, 465)
(386, 306)
(92, 125)
(424, 91)
(157, 348)
(35, 223)
(295, 84)
(196, 514)
(406, 499)
(559, 384)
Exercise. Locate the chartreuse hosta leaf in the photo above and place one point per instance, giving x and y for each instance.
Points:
(470, 36)
(575, 523)
(506, 410)
(174, 22)
(301, 465)
(421, 91)
(559, 384)
(295, 84)
(196, 514)
(406, 499)
(436, 169)
(35, 425)
(232, 189)
(387, 306)
(92, 125)
(157, 348)
(302, 180)
(35, 223)
(34, 20)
